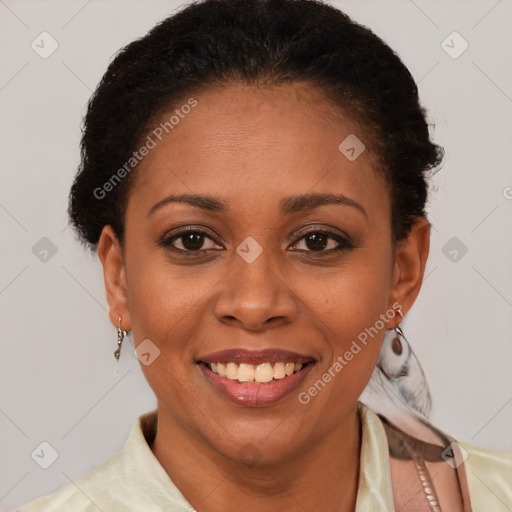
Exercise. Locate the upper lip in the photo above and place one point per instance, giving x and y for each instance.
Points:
(242, 355)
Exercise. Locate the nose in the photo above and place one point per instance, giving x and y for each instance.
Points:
(255, 296)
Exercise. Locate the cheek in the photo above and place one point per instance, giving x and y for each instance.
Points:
(165, 308)
(155, 288)
(169, 305)
(352, 297)
(353, 329)
(352, 312)
(149, 300)
(161, 302)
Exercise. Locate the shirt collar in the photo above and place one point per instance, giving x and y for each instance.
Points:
(375, 492)
(143, 472)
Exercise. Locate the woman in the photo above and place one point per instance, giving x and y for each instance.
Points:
(253, 180)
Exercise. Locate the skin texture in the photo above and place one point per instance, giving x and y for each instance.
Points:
(252, 147)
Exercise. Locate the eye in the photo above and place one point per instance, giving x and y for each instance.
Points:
(189, 241)
(324, 242)
(193, 240)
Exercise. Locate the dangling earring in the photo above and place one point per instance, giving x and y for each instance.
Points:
(396, 344)
(120, 336)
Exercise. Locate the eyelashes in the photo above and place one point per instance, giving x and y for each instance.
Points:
(318, 242)
(192, 236)
(318, 237)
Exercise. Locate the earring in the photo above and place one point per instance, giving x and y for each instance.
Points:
(120, 336)
(396, 344)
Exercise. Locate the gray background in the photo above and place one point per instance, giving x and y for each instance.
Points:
(57, 376)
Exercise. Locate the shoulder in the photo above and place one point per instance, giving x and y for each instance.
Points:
(489, 477)
(487, 473)
(82, 494)
(479, 457)
(131, 479)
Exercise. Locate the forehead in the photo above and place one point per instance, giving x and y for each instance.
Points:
(255, 145)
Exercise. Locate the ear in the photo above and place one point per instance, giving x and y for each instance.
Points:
(411, 256)
(111, 256)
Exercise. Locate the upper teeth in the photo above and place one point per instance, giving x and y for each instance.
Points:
(264, 372)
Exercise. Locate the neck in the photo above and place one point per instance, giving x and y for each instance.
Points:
(323, 476)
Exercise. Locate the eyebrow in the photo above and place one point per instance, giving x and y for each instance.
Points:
(288, 205)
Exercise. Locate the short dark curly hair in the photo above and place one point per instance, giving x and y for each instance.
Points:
(265, 42)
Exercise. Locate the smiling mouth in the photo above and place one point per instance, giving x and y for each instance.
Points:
(263, 373)
(255, 378)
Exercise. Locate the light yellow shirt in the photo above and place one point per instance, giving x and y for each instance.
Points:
(133, 479)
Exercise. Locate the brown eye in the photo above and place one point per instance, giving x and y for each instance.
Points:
(317, 241)
(192, 241)
(323, 242)
(189, 241)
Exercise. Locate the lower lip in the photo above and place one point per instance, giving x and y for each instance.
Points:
(254, 395)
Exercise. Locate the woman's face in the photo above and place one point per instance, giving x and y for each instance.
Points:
(270, 263)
